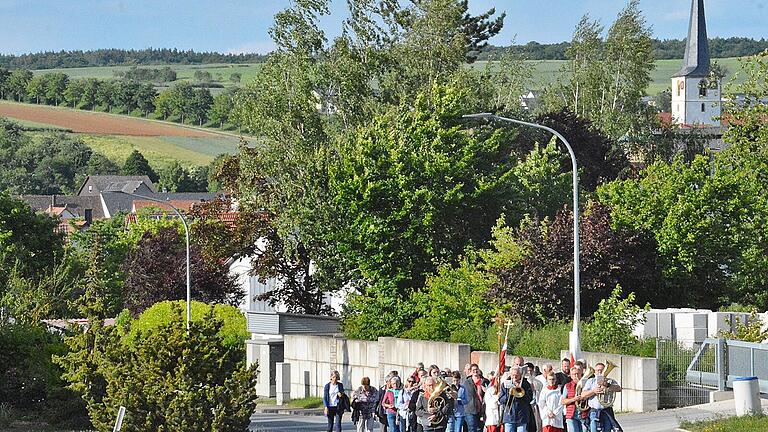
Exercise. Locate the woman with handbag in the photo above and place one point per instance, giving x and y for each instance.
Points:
(364, 401)
(333, 392)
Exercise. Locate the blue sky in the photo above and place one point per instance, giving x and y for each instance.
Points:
(241, 25)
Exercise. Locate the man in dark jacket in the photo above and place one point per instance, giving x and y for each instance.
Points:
(516, 410)
(426, 415)
(473, 386)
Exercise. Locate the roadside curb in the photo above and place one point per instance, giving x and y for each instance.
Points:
(288, 411)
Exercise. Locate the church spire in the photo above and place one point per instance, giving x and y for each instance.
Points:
(696, 61)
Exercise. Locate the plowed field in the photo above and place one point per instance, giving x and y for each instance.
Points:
(95, 123)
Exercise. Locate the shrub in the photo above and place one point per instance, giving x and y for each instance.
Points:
(30, 386)
(749, 331)
(233, 330)
(611, 327)
(546, 341)
(452, 306)
(168, 378)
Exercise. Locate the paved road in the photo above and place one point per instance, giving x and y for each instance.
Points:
(659, 421)
(289, 423)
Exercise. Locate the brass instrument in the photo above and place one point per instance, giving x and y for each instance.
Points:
(583, 405)
(518, 391)
(437, 400)
(608, 397)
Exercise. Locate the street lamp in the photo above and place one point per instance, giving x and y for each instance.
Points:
(574, 339)
(186, 232)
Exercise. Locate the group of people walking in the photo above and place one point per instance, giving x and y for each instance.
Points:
(524, 399)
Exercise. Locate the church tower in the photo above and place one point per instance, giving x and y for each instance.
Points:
(696, 99)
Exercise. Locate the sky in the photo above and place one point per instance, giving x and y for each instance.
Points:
(242, 25)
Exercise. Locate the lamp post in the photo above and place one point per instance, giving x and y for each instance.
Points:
(186, 232)
(575, 335)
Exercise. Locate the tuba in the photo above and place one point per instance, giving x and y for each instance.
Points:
(608, 397)
(583, 405)
(437, 400)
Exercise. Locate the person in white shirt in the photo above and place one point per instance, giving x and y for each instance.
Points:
(550, 405)
(600, 418)
(492, 412)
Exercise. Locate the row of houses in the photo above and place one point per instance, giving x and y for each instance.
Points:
(108, 196)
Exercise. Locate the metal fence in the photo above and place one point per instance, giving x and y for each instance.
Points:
(732, 359)
(675, 389)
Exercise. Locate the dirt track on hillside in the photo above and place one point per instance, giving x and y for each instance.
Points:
(95, 123)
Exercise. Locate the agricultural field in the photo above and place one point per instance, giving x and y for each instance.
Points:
(116, 136)
(219, 72)
(545, 72)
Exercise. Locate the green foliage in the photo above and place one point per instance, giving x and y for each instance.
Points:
(28, 243)
(707, 221)
(453, 307)
(545, 341)
(605, 78)
(168, 378)
(732, 424)
(53, 163)
(30, 386)
(137, 164)
(29, 299)
(233, 331)
(750, 331)
(610, 329)
(747, 125)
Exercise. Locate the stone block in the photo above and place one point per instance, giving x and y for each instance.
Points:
(664, 325)
(724, 322)
(691, 320)
(639, 400)
(719, 396)
(282, 383)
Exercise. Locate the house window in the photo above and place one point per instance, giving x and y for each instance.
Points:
(702, 107)
(90, 188)
(680, 87)
(703, 85)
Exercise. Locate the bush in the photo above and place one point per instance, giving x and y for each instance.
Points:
(452, 307)
(168, 378)
(30, 386)
(611, 327)
(233, 331)
(546, 341)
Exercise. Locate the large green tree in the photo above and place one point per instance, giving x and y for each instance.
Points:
(29, 243)
(605, 78)
(137, 164)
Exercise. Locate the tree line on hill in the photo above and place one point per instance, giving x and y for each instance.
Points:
(120, 57)
(662, 49)
(58, 163)
(186, 101)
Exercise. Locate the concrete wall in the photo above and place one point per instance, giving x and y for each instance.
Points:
(312, 358)
(638, 377)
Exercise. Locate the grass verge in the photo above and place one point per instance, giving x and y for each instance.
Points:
(731, 424)
(310, 402)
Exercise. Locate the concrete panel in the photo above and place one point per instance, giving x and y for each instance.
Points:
(691, 320)
(689, 335)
